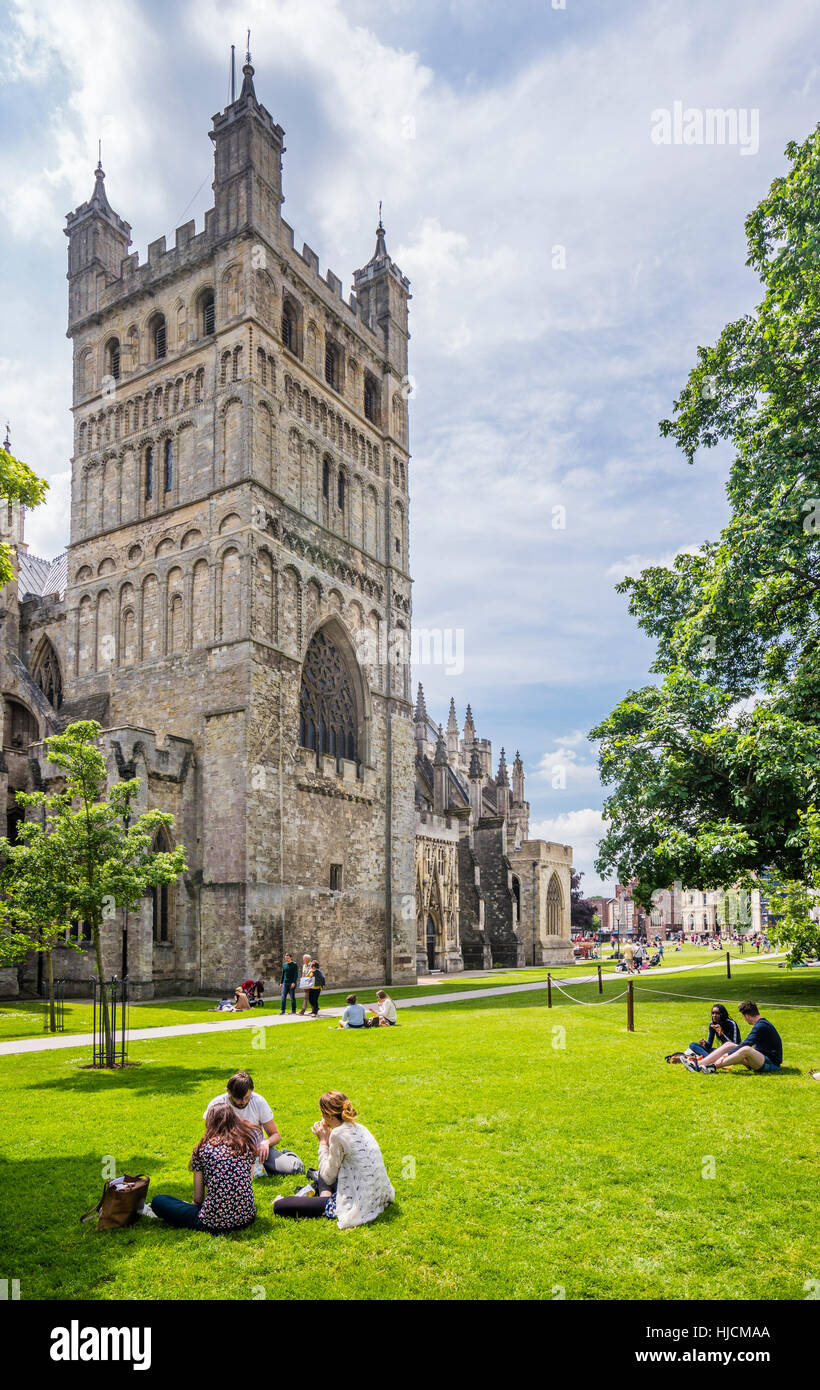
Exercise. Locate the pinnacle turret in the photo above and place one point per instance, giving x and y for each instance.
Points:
(452, 722)
(502, 780)
(475, 765)
(440, 759)
(421, 707)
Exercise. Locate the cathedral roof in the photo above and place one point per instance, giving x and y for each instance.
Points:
(37, 578)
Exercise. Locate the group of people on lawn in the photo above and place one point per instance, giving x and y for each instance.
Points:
(723, 1046)
(349, 1184)
(310, 981)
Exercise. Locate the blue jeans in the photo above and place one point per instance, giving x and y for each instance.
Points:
(699, 1050)
(178, 1213)
(288, 990)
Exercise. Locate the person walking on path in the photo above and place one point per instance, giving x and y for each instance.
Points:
(290, 974)
(317, 984)
(304, 983)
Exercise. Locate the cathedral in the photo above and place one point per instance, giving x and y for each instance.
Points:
(234, 610)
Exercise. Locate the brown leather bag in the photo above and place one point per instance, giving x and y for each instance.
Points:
(121, 1202)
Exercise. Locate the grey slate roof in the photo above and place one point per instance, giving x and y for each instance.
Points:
(37, 578)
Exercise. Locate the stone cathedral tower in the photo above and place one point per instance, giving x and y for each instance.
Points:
(237, 608)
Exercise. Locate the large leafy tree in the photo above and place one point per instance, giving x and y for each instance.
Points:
(81, 858)
(711, 768)
(17, 484)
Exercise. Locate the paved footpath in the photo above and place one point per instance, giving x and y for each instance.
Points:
(230, 1024)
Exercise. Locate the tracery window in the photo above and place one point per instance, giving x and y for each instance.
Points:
(48, 675)
(328, 721)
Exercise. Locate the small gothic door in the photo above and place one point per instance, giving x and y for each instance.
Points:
(431, 942)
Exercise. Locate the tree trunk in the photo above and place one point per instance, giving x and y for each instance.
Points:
(52, 1012)
(106, 1017)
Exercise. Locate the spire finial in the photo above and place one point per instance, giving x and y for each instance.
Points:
(99, 154)
(248, 49)
(7, 440)
(381, 224)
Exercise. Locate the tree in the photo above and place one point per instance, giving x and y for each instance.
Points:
(792, 903)
(17, 484)
(708, 784)
(33, 911)
(84, 859)
(581, 909)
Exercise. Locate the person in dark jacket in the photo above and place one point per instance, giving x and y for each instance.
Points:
(317, 984)
(722, 1029)
(290, 974)
(762, 1050)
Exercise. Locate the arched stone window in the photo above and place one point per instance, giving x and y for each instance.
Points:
(207, 313)
(372, 398)
(112, 358)
(162, 895)
(292, 325)
(168, 463)
(555, 903)
(46, 672)
(149, 473)
(20, 727)
(516, 892)
(156, 333)
(328, 711)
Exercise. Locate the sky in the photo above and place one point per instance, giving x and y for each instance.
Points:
(565, 266)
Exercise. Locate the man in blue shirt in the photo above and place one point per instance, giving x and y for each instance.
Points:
(761, 1051)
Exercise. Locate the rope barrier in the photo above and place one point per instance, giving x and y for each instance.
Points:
(588, 1002)
(705, 998)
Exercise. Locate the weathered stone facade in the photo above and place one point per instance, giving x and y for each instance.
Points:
(486, 895)
(239, 501)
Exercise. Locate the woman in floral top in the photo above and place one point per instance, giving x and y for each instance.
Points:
(222, 1165)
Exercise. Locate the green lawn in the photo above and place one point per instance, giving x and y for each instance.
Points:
(532, 1151)
(24, 1018)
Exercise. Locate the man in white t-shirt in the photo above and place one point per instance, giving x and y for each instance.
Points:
(255, 1111)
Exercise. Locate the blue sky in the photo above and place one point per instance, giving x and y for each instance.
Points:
(494, 134)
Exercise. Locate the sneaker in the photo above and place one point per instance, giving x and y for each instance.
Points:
(709, 1069)
(305, 1191)
(690, 1064)
(259, 1169)
(312, 1174)
(148, 1210)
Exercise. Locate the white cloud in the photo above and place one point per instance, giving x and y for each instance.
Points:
(582, 830)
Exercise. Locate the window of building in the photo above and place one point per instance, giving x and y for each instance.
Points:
(332, 365)
(169, 465)
(46, 672)
(207, 310)
(156, 329)
(149, 473)
(20, 727)
(340, 491)
(328, 720)
(326, 480)
(162, 895)
(112, 358)
(292, 326)
(335, 878)
(371, 399)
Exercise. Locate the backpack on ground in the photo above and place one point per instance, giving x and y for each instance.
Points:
(121, 1202)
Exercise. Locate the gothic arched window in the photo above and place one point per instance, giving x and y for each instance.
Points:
(47, 674)
(156, 328)
(328, 718)
(169, 466)
(112, 358)
(162, 901)
(555, 903)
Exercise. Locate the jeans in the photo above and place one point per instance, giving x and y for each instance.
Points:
(698, 1049)
(305, 1206)
(277, 1162)
(178, 1213)
(313, 1000)
(288, 990)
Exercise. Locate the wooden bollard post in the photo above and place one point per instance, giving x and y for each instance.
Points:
(630, 1007)
(600, 981)
(728, 967)
(549, 990)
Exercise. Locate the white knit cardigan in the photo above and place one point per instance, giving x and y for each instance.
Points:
(354, 1160)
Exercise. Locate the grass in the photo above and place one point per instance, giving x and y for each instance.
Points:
(532, 1151)
(23, 1018)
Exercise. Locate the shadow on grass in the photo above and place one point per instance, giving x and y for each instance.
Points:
(148, 1079)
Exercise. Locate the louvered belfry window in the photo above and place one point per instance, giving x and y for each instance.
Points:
(328, 720)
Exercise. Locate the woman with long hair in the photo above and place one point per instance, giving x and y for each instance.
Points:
(351, 1184)
(222, 1165)
(722, 1029)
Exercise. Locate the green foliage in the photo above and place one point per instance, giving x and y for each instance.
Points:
(17, 484)
(704, 789)
(793, 902)
(81, 859)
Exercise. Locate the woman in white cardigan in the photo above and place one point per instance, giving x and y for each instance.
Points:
(351, 1185)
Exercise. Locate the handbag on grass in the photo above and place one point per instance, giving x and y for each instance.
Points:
(121, 1202)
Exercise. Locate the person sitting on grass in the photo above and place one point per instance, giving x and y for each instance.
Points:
(240, 1000)
(254, 1110)
(762, 1050)
(353, 1016)
(722, 1029)
(222, 1165)
(385, 1011)
(351, 1183)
